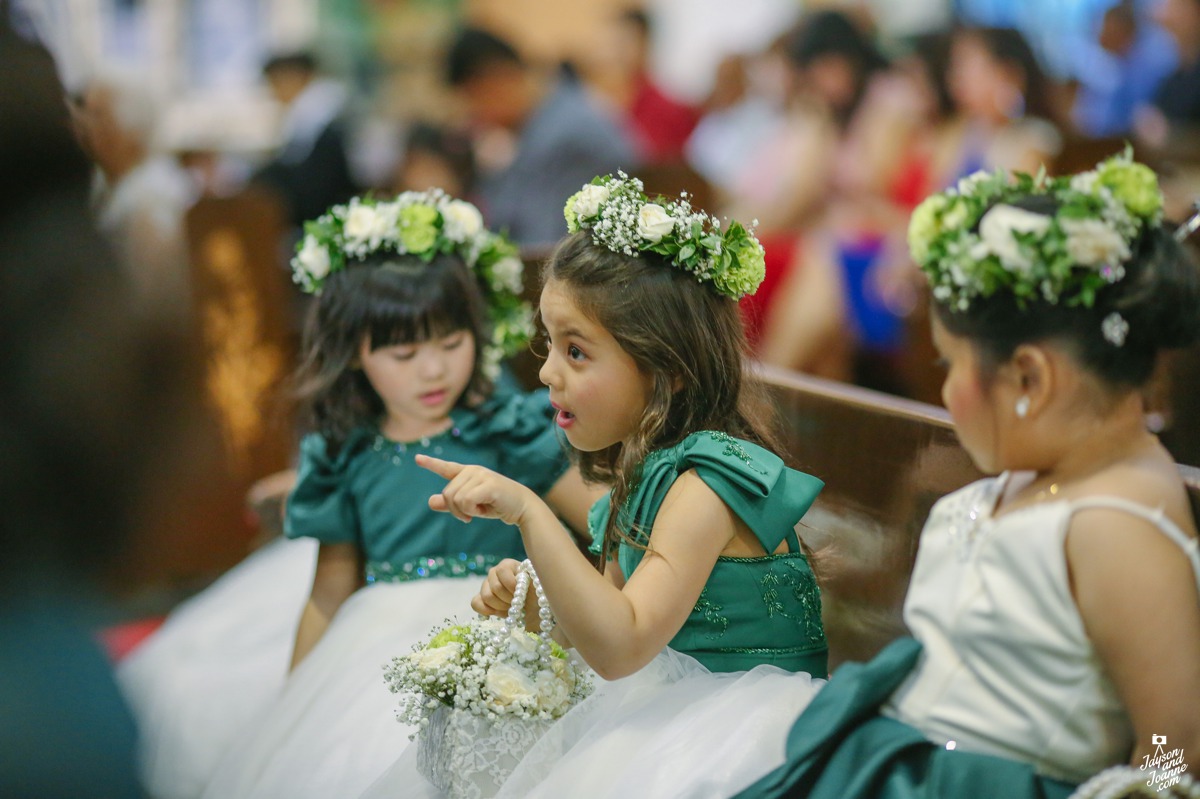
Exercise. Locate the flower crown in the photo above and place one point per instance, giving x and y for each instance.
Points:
(424, 224)
(620, 217)
(972, 242)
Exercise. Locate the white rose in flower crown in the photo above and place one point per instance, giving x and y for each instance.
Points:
(461, 221)
(313, 258)
(968, 184)
(1091, 242)
(996, 229)
(507, 274)
(508, 684)
(654, 222)
(587, 203)
(361, 224)
(437, 657)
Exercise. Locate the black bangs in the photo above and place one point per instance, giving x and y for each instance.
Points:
(390, 299)
(406, 301)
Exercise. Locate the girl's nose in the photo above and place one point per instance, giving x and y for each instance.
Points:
(548, 372)
(433, 365)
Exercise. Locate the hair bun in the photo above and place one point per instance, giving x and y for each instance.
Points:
(1161, 298)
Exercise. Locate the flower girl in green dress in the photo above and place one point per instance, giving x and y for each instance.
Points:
(704, 617)
(416, 301)
(1054, 609)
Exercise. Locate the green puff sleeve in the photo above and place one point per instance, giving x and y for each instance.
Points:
(520, 427)
(321, 506)
(754, 482)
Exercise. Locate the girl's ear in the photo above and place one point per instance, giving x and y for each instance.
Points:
(1033, 372)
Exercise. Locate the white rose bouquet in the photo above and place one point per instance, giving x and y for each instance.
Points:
(481, 694)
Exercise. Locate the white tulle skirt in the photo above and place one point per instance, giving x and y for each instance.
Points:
(333, 730)
(214, 666)
(673, 729)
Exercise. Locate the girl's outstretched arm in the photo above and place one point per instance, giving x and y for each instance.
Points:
(571, 498)
(338, 575)
(1136, 593)
(616, 630)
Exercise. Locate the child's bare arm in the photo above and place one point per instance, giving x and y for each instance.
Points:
(616, 630)
(1137, 595)
(571, 498)
(338, 575)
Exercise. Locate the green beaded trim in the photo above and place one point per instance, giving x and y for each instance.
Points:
(397, 451)
(803, 587)
(460, 565)
(766, 650)
(734, 449)
(763, 558)
(712, 614)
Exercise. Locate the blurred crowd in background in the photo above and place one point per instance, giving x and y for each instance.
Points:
(216, 127)
(826, 122)
(162, 156)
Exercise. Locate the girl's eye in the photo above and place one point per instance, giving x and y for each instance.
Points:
(403, 355)
(574, 353)
(453, 343)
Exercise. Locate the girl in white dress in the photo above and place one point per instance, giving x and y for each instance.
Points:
(1055, 608)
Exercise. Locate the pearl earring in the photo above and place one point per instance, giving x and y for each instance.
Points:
(1022, 407)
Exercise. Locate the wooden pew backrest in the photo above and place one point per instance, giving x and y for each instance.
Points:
(885, 461)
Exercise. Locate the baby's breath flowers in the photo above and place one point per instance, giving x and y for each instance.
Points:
(620, 217)
(423, 224)
(488, 668)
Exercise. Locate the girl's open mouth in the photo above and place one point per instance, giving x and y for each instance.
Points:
(433, 397)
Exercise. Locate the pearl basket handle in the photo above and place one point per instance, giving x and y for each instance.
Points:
(526, 577)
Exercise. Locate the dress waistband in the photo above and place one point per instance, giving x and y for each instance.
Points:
(463, 564)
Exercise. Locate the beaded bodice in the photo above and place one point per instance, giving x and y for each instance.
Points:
(751, 611)
(371, 492)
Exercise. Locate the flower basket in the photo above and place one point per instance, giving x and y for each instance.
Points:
(482, 694)
(471, 756)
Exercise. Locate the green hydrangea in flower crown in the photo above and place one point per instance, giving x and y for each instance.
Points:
(620, 217)
(972, 241)
(424, 224)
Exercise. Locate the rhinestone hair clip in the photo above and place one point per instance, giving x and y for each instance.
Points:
(1190, 225)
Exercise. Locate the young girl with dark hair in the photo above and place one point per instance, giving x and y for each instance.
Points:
(1054, 608)
(704, 604)
(416, 303)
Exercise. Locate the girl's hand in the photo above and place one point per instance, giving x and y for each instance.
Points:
(496, 594)
(476, 491)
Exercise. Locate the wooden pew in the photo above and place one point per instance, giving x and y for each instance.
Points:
(244, 313)
(885, 461)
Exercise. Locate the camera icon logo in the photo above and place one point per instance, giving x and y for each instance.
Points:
(1158, 740)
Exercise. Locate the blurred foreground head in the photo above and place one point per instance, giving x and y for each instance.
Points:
(89, 391)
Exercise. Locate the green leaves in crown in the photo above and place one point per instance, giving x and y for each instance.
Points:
(425, 225)
(971, 241)
(619, 216)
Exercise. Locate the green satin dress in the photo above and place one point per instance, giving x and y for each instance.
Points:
(752, 611)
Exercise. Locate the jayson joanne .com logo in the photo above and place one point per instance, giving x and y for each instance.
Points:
(1165, 765)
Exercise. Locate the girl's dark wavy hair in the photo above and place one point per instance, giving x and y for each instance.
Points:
(1159, 297)
(681, 333)
(387, 299)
